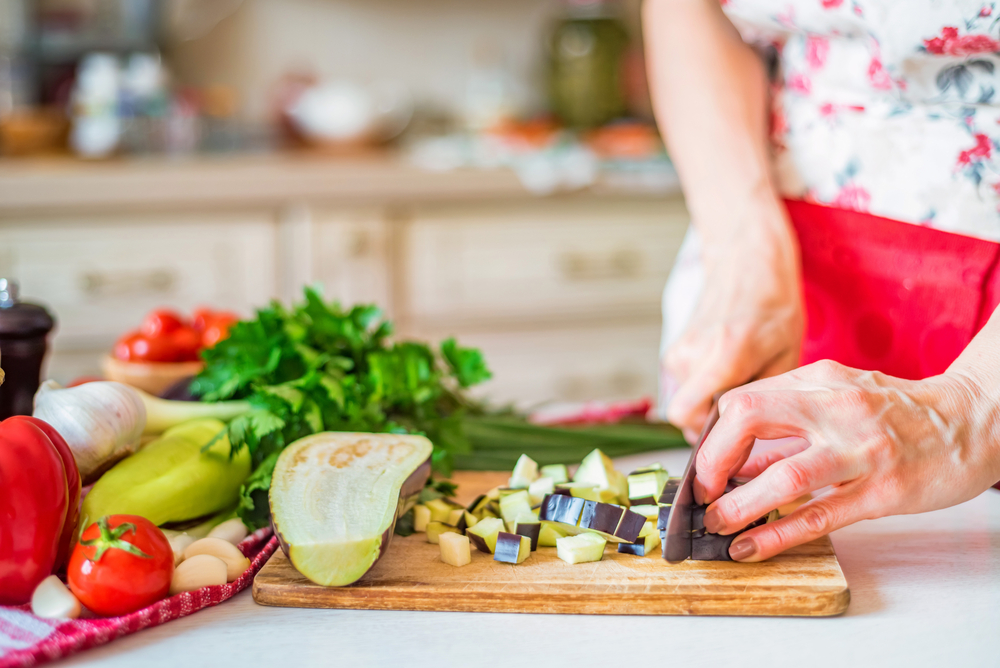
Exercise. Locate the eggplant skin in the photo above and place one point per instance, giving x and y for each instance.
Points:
(316, 479)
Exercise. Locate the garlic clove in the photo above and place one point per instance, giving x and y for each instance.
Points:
(236, 563)
(53, 600)
(231, 530)
(197, 571)
(179, 543)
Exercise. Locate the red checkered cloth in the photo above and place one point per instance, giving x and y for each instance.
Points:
(26, 640)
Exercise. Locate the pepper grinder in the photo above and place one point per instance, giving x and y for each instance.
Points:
(24, 331)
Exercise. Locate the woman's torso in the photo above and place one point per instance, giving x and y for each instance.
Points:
(886, 106)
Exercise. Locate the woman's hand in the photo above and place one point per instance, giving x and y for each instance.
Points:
(883, 445)
(748, 323)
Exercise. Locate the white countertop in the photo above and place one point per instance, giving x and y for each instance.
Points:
(925, 591)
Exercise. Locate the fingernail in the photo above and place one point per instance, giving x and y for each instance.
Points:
(713, 521)
(741, 549)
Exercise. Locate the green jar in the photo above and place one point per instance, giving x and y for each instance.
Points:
(586, 53)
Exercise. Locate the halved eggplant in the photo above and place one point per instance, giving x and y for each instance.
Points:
(335, 498)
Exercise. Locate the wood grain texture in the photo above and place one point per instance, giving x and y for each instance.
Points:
(805, 581)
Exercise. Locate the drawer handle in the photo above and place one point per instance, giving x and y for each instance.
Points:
(99, 284)
(620, 264)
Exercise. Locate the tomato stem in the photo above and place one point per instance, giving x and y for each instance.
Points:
(112, 539)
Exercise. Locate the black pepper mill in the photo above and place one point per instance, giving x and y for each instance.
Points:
(24, 331)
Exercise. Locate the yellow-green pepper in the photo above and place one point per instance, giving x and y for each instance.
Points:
(172, 479)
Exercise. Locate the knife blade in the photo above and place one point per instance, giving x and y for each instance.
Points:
(677, 539)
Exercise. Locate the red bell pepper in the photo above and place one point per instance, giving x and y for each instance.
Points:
(39, 496)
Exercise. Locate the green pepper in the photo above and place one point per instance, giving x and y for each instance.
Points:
(173, 479)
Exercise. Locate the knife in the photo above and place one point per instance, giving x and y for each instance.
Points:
(677, 533)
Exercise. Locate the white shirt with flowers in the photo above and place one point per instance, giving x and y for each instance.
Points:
(886, 106)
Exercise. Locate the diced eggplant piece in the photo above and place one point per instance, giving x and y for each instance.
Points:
(455, 549)
(602, 517)
(662, 517)
(557, 472)
(493, 494)
(655, 466)
(647, 529)
(328, 533)
(470, 520)
(492, 509)
(669, 490)
(598, 469)
(562, 490)
(561, 508)
(630, 526)
(650, 512)
(530, 529)
(440, 510)
(511, 548)
(539, 489)
(549, 533)
(484, 534)
(644, 501)
(580, 549)
(586, 490)
(525, 472)
(455, 517)
(476, 506)
(514, 505)
(642, 547)
(646, 485)
(435, 529)
(711, 547)
(421, 517)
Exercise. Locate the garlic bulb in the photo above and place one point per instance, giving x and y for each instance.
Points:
(102, 422)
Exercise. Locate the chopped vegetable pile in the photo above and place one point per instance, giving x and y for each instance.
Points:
(317, 367)
(541, 507)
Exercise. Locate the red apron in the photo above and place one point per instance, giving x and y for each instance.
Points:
(891, 296)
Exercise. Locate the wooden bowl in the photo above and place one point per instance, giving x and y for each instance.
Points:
(152, 377)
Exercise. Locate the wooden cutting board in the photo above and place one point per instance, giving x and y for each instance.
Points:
(805, 581)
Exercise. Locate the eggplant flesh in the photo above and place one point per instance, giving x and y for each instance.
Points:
(335, 498)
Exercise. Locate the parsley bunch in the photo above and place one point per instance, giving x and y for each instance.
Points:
(317, 367)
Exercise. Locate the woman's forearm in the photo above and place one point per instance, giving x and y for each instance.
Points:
(709, 91)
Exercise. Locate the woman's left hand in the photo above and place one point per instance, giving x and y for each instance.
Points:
(883, 446)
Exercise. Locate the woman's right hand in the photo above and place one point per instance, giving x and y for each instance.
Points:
(748, 323)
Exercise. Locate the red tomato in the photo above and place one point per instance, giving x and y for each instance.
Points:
(218, 330)
(162, 321)
(83, 380)
(186, 343)
(121, 564)
(203, 318)
(137, 347)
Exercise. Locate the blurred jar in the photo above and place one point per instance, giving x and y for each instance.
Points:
(96, 124)
(586, 55)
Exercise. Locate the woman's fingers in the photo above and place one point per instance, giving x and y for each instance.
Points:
(745, 416)
(811, 520)
(719, 370)
(781, 483)
(758, 461)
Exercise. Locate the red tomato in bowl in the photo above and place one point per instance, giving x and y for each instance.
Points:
(186, 343)
(121, 564)
(162, 321)
(137, 347)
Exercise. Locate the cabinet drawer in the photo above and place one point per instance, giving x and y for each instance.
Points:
(100, 275)
(578, 364)
(540, 261)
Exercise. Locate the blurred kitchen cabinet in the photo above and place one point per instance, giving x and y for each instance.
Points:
(100, 274)
(350, 256)
(547, 261)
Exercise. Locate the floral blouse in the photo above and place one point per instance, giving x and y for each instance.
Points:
(886, 106)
